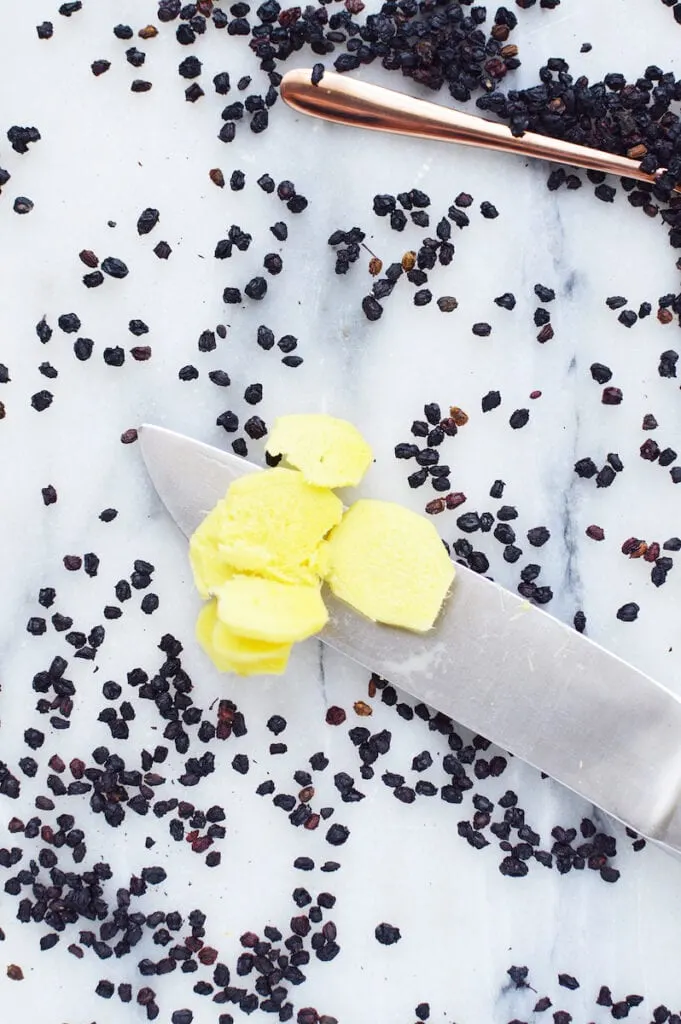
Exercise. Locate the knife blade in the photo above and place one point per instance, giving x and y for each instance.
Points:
(494, 663)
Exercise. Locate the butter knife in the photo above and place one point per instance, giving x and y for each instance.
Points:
(494, 663)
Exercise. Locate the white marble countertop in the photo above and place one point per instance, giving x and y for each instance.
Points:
(105, 155)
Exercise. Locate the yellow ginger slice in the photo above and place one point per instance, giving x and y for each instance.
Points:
(329, 452)
(389, 564)
(209, 568)
(269, 524)
(278, 613)
(230, 652)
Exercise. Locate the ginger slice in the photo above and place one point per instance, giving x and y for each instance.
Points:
(389, 564)
(329, 452)
(271, 611)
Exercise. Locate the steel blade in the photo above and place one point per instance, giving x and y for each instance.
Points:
(189, 477)
(497, 665)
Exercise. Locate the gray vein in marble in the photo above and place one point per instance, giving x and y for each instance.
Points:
(321, 648)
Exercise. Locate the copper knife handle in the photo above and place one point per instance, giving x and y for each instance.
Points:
(363, 105)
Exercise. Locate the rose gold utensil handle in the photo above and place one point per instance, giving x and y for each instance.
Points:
(362, 105)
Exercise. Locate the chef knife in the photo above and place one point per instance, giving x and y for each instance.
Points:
(494, 663)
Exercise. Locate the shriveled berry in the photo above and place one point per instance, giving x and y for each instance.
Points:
(147, 220)
(627, 317)
(628, 612)
(600, 373)
(650, 450)
(491, 401)
(519, 418)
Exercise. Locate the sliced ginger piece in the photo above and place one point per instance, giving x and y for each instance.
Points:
(389, 564)
(329, 452)
(269, 524)
(278, 613)
(273, 522)
(209, 567)
(250, 656)
(230, 652)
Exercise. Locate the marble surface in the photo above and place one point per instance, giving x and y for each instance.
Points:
(106, 154)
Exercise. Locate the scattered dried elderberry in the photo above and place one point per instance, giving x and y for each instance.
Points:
(628, 612)
(371, 308)
(114, 267)
(190, 67)
(147, 220)
(491, 401)
(256, 288)
(519, 418)
(135, 57)
(611, 396)
(21, 137)
(600, 373)
(627, 317)
(273, 263)
(387, 934)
